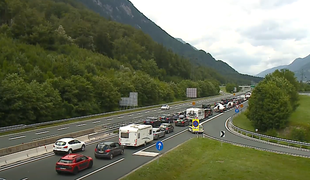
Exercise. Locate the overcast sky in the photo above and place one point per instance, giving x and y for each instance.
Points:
(250, 35)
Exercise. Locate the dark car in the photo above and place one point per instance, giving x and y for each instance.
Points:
(155, 122)
(108, 150)
(166, 118)
(73, 163)
(167, 127)
(182, 122)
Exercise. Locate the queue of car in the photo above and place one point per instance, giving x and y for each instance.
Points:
(130, 135)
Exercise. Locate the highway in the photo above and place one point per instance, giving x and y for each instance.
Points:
(28, 136)
(121, 165)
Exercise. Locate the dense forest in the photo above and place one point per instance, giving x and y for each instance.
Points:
(60, 60)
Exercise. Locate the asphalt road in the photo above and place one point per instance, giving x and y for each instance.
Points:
(103, 169)
(214, 127)
(45, 168)
(24, 137)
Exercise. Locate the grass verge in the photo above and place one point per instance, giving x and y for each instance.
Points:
(300, 118)
(85, 119)
(211, 160)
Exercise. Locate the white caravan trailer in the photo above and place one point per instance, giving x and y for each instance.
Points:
(135, 134)
(195, 113)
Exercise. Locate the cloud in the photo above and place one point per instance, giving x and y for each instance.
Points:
(249, 35)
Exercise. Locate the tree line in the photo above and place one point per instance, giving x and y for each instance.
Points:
(60, 60)
(273, 100)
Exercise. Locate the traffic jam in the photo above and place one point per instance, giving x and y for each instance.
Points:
(135, 135)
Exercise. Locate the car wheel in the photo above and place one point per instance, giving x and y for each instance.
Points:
(122, 151)
(75, 170)
(83, 147)
(58, 172)
(111, 156)
(90, 164)
(69, 151)
(145, 143)
(56, 153)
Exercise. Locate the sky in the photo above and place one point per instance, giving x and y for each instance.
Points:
(250, 35)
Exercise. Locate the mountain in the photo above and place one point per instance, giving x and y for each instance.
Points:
(300, 66)
(125, 12)
(271, 70)
(182, 41)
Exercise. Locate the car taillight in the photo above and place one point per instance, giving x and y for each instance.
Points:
(152, 122)
(96, 149)
(66, 147)
(183, 122)
(53, 145)
(160, 118)
(108, 150)
(143, 121)
(167, 128)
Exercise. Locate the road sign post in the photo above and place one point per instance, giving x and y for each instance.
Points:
(195, 125)
(222, 135)
(159, 147)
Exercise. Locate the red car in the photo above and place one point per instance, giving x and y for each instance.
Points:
(73, 163)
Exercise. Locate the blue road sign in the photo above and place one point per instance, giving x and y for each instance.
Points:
(159, 145)
(236, 110)
(195, 123)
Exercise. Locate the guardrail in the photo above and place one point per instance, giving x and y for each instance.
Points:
(22, 126)
(267, 138)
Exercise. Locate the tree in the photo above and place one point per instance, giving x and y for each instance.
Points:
(269, 106)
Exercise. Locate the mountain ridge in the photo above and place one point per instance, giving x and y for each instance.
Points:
(300, 66)
(125, 12)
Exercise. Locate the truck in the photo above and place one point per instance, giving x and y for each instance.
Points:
(135, 135)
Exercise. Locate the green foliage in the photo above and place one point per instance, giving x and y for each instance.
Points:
(273, 100)
(230, 87)
(59, 60)
(298, 134)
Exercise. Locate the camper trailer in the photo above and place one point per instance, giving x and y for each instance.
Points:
(196, 113)
(135, 134)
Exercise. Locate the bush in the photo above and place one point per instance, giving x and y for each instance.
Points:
(272, 132)
(298, 134)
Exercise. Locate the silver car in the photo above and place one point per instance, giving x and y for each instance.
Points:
(158, 133)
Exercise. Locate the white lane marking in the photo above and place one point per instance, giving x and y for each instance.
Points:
(109, 119)
(100, 169)
(79, 125)
(179, 133)
(139, 113)
(120, 117)
(19, 137)
(62, 128)
(147, 111)
(96, 122)
(155, 110)
(130, 114)
(138, 116)
(44, 132)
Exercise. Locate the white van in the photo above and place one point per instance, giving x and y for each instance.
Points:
(135, 134)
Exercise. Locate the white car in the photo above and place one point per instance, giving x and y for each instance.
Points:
(200, 131)
(165, 107)
(68, 145)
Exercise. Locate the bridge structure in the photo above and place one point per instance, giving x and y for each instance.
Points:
(246, 88)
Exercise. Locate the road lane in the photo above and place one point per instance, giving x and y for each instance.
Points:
(214, 127)
(24, 137)
(45, 168)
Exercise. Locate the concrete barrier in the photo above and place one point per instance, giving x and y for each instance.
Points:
(40, 143)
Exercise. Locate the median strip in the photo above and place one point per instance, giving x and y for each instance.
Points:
(100, 169)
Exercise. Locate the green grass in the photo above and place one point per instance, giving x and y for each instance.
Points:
(85, 119)
(201, 158)
(300, 118)
(223, 88)
(243, 122)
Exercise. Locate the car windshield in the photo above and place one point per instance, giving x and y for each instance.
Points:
(60, 143)
(102, 147)
(66, 161)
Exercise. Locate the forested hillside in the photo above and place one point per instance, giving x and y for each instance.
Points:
(125, 12)
(60, 60)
